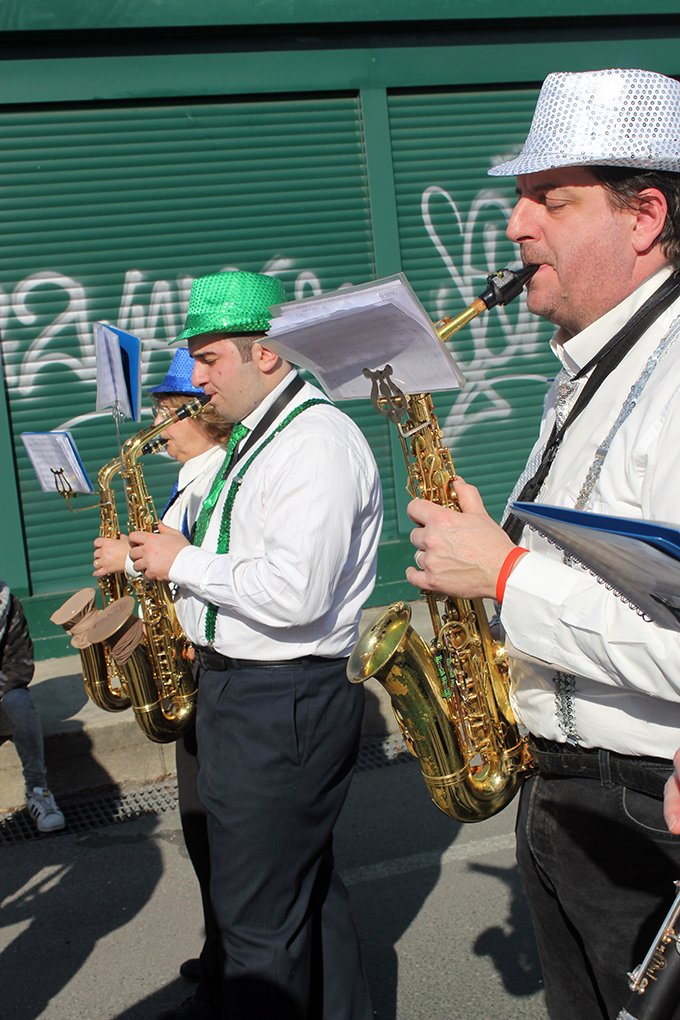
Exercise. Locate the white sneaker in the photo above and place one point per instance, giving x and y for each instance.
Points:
(43, 808)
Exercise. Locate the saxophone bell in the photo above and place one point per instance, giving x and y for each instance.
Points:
(120, 630)
(464, 788)
(103, 686)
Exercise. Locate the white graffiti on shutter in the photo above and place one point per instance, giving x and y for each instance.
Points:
(520, 330)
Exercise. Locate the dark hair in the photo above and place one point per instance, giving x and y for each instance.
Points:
(208, 421)
(625, 183)
(243, 342)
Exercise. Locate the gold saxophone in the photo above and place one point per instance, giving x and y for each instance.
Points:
(121, 667)
(451, 698)
(102, 678)
(165, 709)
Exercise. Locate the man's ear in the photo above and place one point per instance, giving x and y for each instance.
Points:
(267, 359)
(649, 219)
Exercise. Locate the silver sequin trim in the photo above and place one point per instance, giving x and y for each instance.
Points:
(565, 683)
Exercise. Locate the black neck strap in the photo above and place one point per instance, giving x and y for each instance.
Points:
(283, 399)
(602, 364)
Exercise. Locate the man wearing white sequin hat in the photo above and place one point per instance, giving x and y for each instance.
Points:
(596, 685)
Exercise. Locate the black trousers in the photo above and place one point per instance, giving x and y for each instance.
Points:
(598, 866)
(195, 829)
(277, 748)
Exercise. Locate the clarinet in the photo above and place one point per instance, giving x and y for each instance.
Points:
(655, 984)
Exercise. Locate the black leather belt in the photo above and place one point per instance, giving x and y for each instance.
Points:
(207, 658)
(646, 775)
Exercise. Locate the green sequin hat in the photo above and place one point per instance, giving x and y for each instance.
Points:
(236, 302)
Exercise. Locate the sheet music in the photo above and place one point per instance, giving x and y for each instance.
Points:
(112, 388)
(130, 352)
(53, 454)
(337, 335)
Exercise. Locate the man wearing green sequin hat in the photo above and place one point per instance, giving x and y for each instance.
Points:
(270, 593)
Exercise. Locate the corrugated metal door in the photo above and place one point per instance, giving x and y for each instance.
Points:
(452, 220)
(110, 211)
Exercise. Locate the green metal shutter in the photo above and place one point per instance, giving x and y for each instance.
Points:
(110, 211)
(452, 221)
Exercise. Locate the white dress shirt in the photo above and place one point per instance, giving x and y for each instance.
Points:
(305, 527)
(622, 685)
(193, 483)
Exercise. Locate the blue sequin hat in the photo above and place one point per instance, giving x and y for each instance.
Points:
(178, 378)
(235, 302)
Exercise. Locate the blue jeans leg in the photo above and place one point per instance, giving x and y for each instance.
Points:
(19, 719)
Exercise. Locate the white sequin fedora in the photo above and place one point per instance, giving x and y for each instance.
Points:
(602, 118)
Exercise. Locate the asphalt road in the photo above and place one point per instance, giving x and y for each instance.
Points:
(94, 926)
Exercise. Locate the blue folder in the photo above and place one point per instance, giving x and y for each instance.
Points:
(662, 536)
(639, 560)
(132, 368)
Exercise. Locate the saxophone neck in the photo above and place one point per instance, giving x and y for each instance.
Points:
(107, 473)
(134, 447)
(502, 288)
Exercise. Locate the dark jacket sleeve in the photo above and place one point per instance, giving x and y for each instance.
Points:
(16, 651)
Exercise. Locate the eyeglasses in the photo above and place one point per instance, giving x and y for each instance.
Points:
(160, 412)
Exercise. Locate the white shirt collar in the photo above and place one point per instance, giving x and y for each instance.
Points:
(192, 468)
(577, 351)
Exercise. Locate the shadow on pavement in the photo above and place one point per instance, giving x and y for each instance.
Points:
(511, 945)
(389, 818)
(52, 935)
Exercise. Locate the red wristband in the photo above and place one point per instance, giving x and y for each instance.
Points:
(508, 564)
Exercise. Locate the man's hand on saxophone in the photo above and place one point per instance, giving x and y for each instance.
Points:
(153, 553)
(459, 554)
(110, 555)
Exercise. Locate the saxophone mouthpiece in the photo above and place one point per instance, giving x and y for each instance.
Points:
(192, 407)
(154, 445)
(506, 285)
(503, 287)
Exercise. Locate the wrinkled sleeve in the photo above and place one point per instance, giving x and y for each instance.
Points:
(312, 499)
(564, 616)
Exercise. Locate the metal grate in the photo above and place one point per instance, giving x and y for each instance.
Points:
(108, 806)
(93, 810)
(377, 752)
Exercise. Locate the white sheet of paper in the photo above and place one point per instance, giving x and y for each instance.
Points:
(337, 335)
(51, 452)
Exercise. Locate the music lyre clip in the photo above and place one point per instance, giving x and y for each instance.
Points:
(64, 487)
